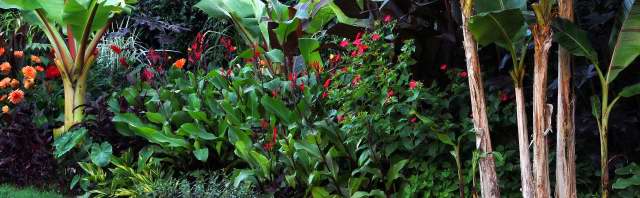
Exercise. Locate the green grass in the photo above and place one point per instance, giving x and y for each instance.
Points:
(29, 192)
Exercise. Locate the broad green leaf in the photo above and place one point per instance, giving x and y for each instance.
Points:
(444, 138)
(201, 154)
(155, 117)
(499, 5)
(503, 28)
(630, 91)
(20, 4)
(195, 131)
(68, 141)
(276, 56)
(394, 172)
(319, 192)
(309, 51)
(101, 154)
(277, 107)
(574, 39)
(627, 47)
(149, 132)
(624, 183)
(244, 175)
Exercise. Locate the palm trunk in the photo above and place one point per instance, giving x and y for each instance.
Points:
(523, 142)
(542, 39)
(565, 148)
(488, 179)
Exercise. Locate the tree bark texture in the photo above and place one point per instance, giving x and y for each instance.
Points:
(526, 175)
(542, 39)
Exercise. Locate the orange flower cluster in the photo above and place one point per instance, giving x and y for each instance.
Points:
(180, 63)
(5, 68)
(18, 54)
(1, 51)
(16, 96)
(35, 59)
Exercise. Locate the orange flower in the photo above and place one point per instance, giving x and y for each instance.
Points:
(5, 109)
(29, 72)
(14, 83)
(4, 83)
(1, 51)
(35, 59)
(39, 68)
(28, 83)
(16, 96)
(18, 54)
(5, 68)
(180, 63)
(3, 97)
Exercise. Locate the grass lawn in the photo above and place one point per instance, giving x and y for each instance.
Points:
(29, 192)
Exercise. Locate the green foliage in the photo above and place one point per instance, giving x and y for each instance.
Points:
(628, 182)
(69, 140)
(205, 184)
(125, 176)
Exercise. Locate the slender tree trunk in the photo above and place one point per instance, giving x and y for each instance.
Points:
(542, 39)
(523, 142)
(488, 179)
(565, 150)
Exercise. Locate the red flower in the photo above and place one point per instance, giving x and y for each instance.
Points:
(116, 49)
(264, 124)
(267, 146)
(274, 93)
(360, 51)
(443, 67)
(39, 68)
(340, 118)
(387, 18)
(335, 58)
(503, 96)
(327, 83)
(345, 69)
(196, 49)
(344, 43)
(413, 120)
(390, 93)
(147, 74)
(358, 40)
(293, 78)
(227, 43)
(463, 74)
(302, 87)
(52, 72)
(123, 62)
(355, 80)
(324, 94)
(275, 134)
(375, 37)
(412, 84)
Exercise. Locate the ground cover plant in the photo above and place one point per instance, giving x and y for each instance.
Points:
(319, 98)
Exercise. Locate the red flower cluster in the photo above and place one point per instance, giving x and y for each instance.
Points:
(463, 74)
(361, 47)
(116, 49)
(443, 67)
(196, 49)
(51, 72)
(147, 74)
(387, 18)
(355, 80)
(412, 84)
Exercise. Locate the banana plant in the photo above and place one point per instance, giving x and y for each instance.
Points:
(507, 17)
(284, 32)
(74, 29)
(626, 50)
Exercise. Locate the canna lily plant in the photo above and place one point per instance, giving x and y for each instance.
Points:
(74, 28)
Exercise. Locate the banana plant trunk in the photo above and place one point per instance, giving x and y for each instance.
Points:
(488, 179)
(542, 39)
(523, 144)
(74, 100)
(565, 142)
